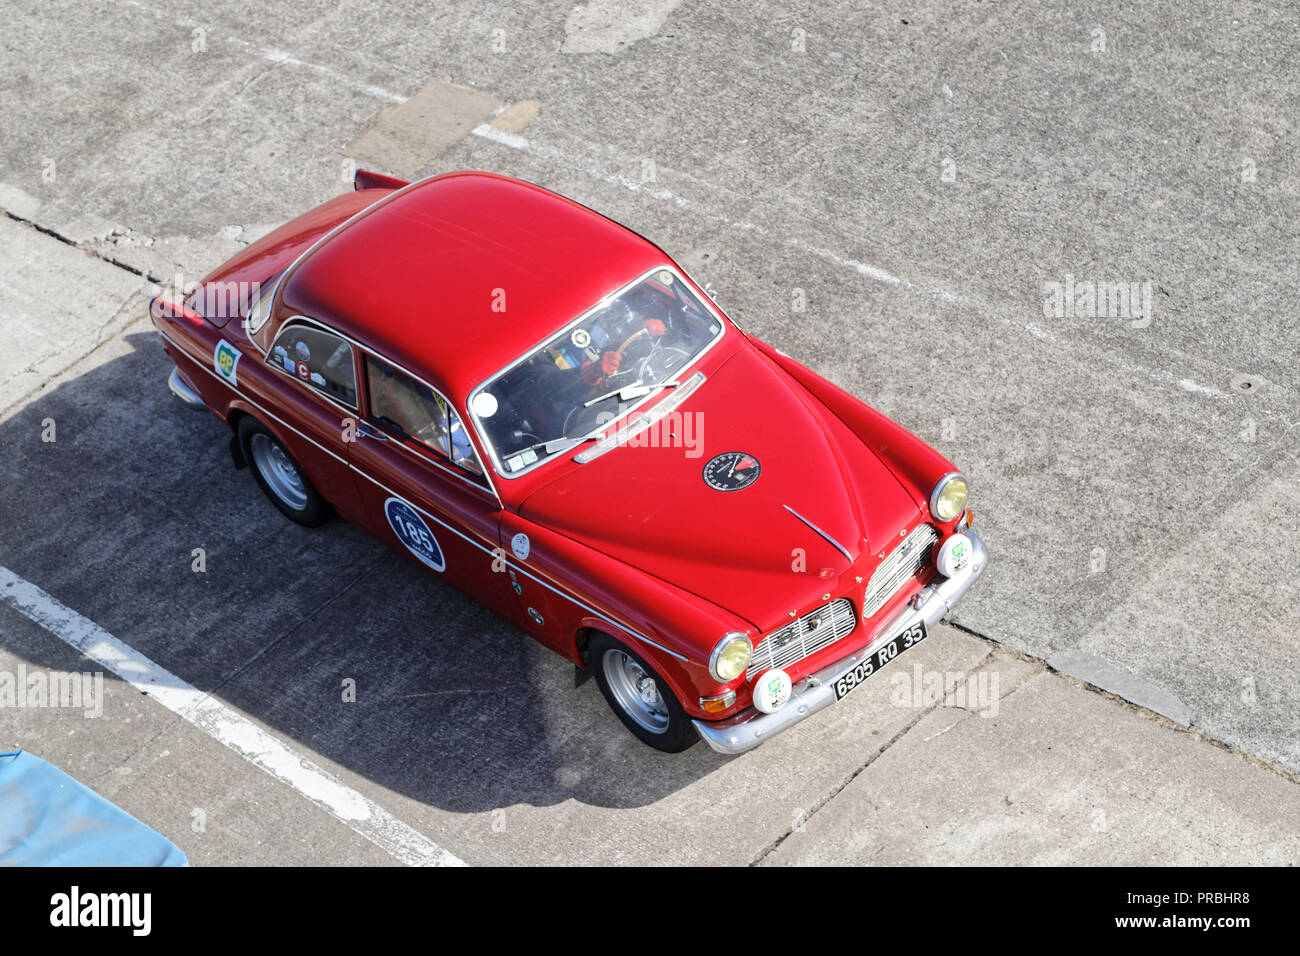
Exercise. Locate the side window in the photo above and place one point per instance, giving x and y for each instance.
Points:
(416, 411)
(462, 449)
(321, 359)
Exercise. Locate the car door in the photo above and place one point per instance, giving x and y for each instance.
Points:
(421, 483)
(308, 380)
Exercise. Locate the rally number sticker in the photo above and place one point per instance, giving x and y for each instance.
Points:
(414, 533)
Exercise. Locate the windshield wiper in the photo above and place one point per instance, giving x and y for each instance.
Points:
(556, 445)
(635, 390)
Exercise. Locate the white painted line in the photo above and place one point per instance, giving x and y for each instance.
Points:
(513, 140)
(1187, 385)
(279, 56)
(489, 132)
(355, 811)
(523, 144)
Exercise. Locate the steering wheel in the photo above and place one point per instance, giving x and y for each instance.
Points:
(660, 363)
(624, 368)
(622, 350)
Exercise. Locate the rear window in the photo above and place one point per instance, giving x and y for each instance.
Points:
(317, 358)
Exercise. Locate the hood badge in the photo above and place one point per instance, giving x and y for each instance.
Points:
(732, 471)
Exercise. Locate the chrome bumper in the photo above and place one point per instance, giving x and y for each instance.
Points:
(181, 389)
(751, 727)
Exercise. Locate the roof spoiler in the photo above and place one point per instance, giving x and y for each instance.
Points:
(365, 179)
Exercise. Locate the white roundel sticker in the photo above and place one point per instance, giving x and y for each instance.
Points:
(772, 690)
(520, 545)
(953, 555)
(414, 533)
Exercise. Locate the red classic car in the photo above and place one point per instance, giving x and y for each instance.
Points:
(543, 409)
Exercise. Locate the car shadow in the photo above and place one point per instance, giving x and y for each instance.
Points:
(135, 517)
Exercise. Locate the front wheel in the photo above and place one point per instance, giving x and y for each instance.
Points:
(639, 696)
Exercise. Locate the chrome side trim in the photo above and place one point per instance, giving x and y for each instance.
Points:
(181, 389)
(360, 350)
(359, 353)
(497, 553)
(839, 547)
(750, 727)
(269, 414)
(433, 455)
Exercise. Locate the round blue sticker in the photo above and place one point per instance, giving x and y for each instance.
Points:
(414, 533)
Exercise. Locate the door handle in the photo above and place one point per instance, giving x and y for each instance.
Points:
(366, 430)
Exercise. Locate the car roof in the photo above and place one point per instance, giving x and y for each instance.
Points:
(456, 276)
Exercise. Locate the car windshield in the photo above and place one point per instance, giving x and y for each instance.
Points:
(629, 347)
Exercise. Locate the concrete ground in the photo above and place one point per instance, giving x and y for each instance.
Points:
(888, 194)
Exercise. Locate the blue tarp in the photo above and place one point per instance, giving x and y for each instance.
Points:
(49, 819)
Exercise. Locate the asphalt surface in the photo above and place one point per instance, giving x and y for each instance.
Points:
(883, 193)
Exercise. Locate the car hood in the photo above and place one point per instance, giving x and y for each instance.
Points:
(647, 504)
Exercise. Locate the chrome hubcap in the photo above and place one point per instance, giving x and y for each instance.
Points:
(635, 690)
(278, 472)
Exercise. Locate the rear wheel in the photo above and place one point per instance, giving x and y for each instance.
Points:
(639, 696)
(280, 477)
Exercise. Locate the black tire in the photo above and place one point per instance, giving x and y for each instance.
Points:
(677, 733)
(260, 449)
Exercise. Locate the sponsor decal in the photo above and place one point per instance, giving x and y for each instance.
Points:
(225, 359)
(732, 471)
(411, 530)
(580, 338)
(520, 545)
(953, 555)
(772, 690)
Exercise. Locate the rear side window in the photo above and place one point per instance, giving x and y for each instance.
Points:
(415, 411)
(318, 358)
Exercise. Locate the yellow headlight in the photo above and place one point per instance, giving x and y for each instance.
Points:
(730, 657)
(948, 499)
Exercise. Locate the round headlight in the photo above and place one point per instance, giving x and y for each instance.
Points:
(730, 657)
(948, 499)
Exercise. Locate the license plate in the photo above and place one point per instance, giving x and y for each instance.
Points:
(903, 642)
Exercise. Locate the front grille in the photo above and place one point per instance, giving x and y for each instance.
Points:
(807, 635)
(902, 564)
